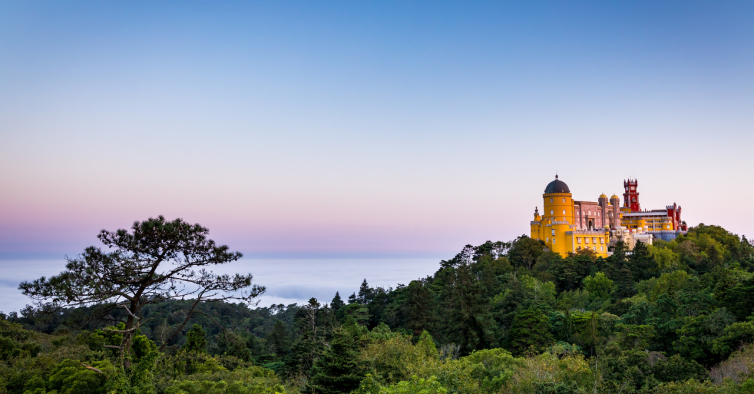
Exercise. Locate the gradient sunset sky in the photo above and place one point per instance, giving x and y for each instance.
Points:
(362, 128)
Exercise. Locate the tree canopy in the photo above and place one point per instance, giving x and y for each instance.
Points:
(158, 260)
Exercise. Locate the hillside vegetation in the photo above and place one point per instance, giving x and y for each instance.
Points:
(508, 317)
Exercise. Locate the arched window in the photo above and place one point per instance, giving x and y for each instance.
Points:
(564, 200)
(564, 212)
(552, 212)
(550, 200)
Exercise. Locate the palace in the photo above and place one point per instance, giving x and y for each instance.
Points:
(567, 226)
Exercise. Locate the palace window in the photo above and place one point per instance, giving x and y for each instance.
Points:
(564, 212)
(553, 233)
(586, 240)
(602, 240)
(602, 248)
(547, 239)
(564, 200)
(551, 201)
(552, 212)
(578, 240)
(594, 240)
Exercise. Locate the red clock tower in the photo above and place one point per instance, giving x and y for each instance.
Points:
(631, 196)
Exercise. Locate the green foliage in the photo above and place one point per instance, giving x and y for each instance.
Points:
(492, 368)
(196, 340)
(632, 336)
(678, 369)
(525, 251)
(598, 286)
(469, 321)
(338, 370)
(75, 377)
(530, 332)
(668, 283)
(146, 266)
(641, 322)
(419, 307)
(665, 258)
(251, 380)
(698, 333)
(733, 337)
(413, 386)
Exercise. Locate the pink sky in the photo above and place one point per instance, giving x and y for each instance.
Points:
(386, 130)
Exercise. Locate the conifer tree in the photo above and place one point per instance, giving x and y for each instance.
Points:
(419, 307)
(641, 262)
(624, 285)
(158, 260)
(337, 302)
(280, 339)
(366, 293)
(308, 343)
(377, 306)
(530, 332)
(338, 369)
(468, 321)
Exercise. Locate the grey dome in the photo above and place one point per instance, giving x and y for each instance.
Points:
(557, 186)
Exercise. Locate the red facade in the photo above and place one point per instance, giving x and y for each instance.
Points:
(631, 195)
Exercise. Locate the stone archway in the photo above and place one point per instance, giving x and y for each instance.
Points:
(591, 224)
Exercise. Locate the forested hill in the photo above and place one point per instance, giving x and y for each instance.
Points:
(499, 317)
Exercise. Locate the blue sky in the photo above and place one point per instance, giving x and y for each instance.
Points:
(365, 128)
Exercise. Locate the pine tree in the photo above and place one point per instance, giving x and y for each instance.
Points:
(467, 317)
(378, 306)
(641, 262)
(419, 307)
(337, 302)
(338, 369)
(366, 293)
(280, 339)
(624, 285)
(530, 332)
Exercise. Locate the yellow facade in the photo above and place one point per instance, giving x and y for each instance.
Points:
(555, 226)
(649, 222)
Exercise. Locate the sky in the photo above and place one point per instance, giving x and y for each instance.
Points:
(305, 129)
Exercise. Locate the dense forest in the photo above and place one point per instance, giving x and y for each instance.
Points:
(672, 317)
